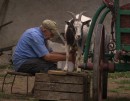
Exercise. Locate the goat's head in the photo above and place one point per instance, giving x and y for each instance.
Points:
(78, 24)
(70, 32)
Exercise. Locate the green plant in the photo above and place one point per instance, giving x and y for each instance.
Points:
(116, 75)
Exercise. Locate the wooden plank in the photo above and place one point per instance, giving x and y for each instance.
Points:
(57, 72)
(86, 88)
(48, 95)
(59, 87)
(18, 73)
(41, 77)
(70, 87)
(60, 72)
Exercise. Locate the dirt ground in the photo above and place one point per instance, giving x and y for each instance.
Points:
(116, 91)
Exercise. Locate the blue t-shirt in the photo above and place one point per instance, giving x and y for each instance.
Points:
(31, 45)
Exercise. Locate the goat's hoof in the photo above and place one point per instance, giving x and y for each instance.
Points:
(65, 70)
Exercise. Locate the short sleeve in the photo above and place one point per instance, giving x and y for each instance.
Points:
(37, 43)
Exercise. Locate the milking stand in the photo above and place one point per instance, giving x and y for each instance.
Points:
(110, 53)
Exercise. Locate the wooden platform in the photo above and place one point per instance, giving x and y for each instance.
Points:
(59, 85)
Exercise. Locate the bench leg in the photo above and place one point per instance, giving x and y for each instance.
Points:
(13, 84)
(4, 82)
(27, 85)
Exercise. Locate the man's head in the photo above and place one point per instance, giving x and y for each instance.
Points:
(49, 27)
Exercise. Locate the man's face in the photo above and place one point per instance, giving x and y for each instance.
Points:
(48, 34)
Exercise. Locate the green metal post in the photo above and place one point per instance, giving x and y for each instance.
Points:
(117, 25)
(103, 16)
(94, 19)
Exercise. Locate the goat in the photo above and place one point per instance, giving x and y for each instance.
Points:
(76, 31)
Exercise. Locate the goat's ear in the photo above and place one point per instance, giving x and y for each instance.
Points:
(67, 22)
(72, 21)
(86, 22)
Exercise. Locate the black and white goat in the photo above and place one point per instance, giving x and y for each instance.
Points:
(76, 31)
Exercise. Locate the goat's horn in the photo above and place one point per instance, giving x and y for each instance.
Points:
(81, 15)
(72, 14)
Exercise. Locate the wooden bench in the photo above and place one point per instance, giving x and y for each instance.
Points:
(62, 86)
(12, 82)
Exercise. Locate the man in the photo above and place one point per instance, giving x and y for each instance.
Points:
(32, 54)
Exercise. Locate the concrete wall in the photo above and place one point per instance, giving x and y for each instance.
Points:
(30, 13)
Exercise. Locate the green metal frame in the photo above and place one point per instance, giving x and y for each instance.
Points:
(121, 67)
(118, 30)
(94, 19)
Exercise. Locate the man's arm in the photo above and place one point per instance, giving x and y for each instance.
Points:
(55, 57)
(63, 53)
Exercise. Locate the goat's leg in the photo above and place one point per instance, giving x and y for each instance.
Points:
(67, 57)
(78, 60)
